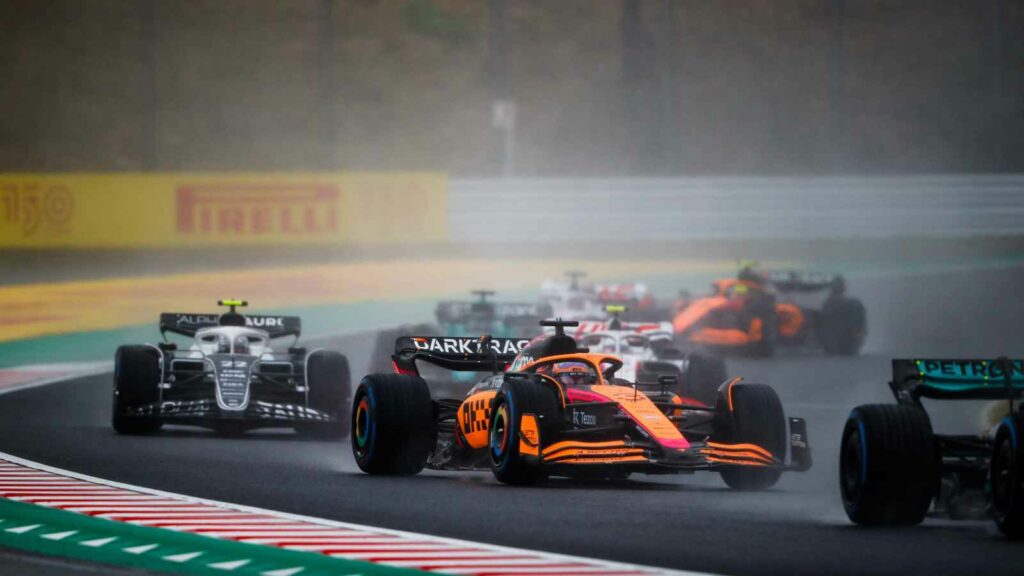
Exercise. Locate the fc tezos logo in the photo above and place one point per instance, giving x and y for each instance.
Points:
(583, 419)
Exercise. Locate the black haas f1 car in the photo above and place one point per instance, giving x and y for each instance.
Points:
(757, 312)
(551, 408)
(894, 468)
(230, 379)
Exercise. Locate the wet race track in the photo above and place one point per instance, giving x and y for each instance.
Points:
(685, 522)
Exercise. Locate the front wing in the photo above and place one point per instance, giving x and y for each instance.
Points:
(651, 458)
(206, 410)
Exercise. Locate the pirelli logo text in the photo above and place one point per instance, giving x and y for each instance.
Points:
(475, 415)
(235, 210)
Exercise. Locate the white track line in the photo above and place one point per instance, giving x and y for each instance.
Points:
(100, 368)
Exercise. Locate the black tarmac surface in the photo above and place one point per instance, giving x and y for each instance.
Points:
(687, 522)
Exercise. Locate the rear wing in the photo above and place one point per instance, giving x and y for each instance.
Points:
(804, 281)
(456, 353)
(186, 324)
(957, 379)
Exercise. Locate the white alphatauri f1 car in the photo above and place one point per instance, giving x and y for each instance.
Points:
(230, 378)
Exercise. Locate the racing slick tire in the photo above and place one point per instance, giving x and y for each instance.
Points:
(704, 375)
(329, 382)
(1007, 476)
(842, 326)
(887, 465)
(136, 384)
(518, 397)
(762, 309)
(753, 415)
(393, 430)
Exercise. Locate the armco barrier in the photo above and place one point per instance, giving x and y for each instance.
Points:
(181, 210)
(674, 209)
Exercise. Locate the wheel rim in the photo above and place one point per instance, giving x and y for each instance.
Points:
(853, 466)
(499, 433)
(1002, 478)
(362, 423)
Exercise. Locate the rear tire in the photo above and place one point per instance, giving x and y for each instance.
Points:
(393, 428)
(887, 465)
(704, 375)
(1007, 477)
(329, 381)
(762, 308)
(757, 418)
(136, 384)
(842, 326)
(518, 397)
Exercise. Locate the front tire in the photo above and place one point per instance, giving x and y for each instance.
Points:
(136, 385)
(393, 428)
(887, 465)
(329, 381)
(516, 398)
(755, 417)
(1007, 477)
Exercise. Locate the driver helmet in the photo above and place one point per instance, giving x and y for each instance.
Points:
(241, 345)
(223, 344)
(575, 374)
(749, 272)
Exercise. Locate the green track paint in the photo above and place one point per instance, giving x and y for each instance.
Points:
(70, 535)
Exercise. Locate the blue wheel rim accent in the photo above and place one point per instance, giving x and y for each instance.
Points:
(363, 422)
(364, 446)
(500, 453)
(498, 442)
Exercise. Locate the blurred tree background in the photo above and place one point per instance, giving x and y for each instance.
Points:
(601, 87)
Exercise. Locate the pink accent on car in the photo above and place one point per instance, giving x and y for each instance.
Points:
(580, 395)
(577, 395)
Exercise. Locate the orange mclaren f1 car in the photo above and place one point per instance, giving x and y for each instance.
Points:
(756, 312)
(550, 408)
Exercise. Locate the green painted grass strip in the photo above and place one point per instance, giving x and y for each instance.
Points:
(71, 535)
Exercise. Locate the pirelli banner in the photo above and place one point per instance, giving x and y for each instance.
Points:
(200, 209)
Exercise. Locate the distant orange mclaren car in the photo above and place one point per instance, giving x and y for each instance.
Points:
(550, 408)
(756, 312)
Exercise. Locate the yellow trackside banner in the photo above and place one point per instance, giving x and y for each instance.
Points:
(205, 209)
